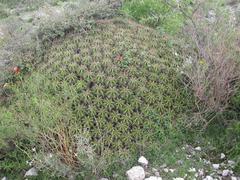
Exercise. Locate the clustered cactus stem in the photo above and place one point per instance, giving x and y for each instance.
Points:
(122, 80)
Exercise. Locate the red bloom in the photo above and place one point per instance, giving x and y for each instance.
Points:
(16, 70)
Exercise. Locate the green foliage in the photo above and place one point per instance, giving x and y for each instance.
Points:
(233, 130)
(235, 102)
(155, 13)
(82, 88)
(3, 11)
(8, 127)
(12, 163)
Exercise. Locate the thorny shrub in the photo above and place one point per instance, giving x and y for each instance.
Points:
(212, 68)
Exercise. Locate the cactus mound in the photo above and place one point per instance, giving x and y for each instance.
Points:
(124, 83)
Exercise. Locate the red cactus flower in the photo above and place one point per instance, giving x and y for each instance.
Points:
(16, 70)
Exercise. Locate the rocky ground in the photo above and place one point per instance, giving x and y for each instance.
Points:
(191, 166)
(210, 171)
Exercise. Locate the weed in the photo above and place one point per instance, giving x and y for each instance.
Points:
(155, 13)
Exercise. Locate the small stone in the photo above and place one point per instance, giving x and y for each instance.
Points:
(115, 175)
(231, 163)
(178, 178)
(216, 166)
(225, 172)
(171, 170)
(153, 178)
(31, 172)
(143, 161)
(198, 148)
(135, 173)
(166, 170)
(180, 162)
(222, 156)
(147, 174)
(223, 164)
(4, 178)
(34, 149)
(192, 170)
(213, 174)
(163, 166)
(200, 172)
(104, 179)
(157, 174)
(1, 34)
(211, 16)
(206, 161)
(234, 178)
(154, 170)
(208, 178)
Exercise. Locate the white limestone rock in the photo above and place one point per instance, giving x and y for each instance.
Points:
(225, 172)
(153, 178)
(163, 166)
(31, 172)
(216, 166)
(208, 178)
(178, 178)
(198, 148)
(192, 170)
(231, 163)
(166, 170)
(201, 172)
(143, 161)
(222, 156)
(157, 174)
(136, 173)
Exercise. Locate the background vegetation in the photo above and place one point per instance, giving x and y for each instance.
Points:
(157, 14)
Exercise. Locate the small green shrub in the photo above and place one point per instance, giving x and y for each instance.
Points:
(155, 13)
